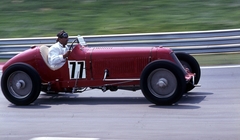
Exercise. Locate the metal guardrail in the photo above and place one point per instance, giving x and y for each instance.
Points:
(215, 41)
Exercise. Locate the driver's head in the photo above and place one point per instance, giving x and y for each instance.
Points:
(62, 37)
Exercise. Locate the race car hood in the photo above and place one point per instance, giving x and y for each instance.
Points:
(122, 62)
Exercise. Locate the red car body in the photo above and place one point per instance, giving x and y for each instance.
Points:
(98, 67)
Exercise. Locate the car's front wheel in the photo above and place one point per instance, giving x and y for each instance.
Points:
(192, 65)
(21, 84)
(162, 82)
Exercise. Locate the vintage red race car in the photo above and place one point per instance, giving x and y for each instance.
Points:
(162, 75)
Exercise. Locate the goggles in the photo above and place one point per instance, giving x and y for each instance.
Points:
(64, 35)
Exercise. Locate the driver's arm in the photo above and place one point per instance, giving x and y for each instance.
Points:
(55, 57)
(66, 54)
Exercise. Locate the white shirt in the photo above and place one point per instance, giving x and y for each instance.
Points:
(55, 55)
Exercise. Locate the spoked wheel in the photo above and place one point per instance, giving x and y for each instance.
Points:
(190, 63)
(162, 82)
(21, 84)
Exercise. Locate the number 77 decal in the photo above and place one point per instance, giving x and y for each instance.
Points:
(77, 69)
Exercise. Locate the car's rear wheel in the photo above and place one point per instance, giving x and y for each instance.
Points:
(191, 63)
(21, 84)
(162, 82)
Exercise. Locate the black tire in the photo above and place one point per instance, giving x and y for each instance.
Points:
(21, 84)
(162, 82)
(191, 63)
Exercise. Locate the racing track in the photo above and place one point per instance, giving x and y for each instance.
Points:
(209, 112)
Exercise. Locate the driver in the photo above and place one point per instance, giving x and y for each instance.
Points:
(58, 52)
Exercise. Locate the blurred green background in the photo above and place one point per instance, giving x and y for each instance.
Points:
(44, 18)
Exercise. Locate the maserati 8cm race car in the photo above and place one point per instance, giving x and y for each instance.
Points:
(162, 75)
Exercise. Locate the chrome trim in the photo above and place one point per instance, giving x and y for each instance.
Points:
(106, 74)
(134, 79)
(193, 79)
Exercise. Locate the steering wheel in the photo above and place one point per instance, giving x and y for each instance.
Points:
(72, 44)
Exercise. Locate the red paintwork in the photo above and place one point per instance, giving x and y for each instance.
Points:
(122, 63)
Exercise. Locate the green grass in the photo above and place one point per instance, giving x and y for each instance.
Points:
(3, 60)
(43, 18)
(218, 59)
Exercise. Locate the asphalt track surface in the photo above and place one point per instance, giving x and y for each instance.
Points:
(211, 111)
